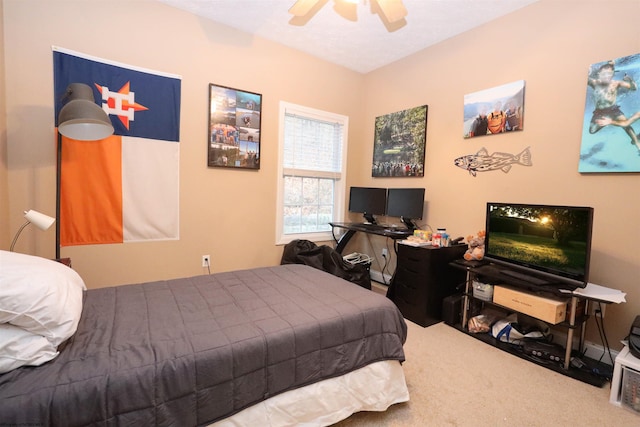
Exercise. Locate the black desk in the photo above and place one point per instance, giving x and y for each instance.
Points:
(394, 233)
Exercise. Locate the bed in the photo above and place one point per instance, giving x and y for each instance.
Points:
(282, 345)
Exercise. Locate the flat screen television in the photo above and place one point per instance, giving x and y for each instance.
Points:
(541, 244)
(406, 204)
(368, 201)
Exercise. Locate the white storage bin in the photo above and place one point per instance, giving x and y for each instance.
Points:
(625, 384)
(482, 291)
(630, 397)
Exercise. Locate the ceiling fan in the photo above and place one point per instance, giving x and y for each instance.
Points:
(391, 10)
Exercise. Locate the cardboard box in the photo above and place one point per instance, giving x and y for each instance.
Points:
(549, 310)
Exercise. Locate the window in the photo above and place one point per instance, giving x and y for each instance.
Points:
(311, 165)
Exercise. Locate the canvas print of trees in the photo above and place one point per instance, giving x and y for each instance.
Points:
(399, 143)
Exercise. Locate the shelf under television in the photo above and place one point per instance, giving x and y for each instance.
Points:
(578, 374)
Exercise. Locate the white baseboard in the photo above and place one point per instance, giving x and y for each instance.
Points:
(594, 351)
(591, 350)
(379, 277)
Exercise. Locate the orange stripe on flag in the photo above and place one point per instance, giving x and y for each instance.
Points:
(91, 192)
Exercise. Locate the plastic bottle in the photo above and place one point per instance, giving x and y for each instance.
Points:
(443, 237)
(435, 239)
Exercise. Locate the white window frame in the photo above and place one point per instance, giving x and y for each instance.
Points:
(340, 178)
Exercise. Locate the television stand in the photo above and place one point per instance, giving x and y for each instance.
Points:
(524, 277)
(576, 310)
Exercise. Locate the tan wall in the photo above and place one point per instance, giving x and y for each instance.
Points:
(549, 44)
(4, 186)
(229, 214)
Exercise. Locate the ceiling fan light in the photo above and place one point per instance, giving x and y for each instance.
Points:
(393, 10)
(302, 7)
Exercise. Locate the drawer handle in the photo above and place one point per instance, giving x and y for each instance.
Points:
(407, 285)
(406, 302)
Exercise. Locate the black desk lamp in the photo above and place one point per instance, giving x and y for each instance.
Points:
(81, 119)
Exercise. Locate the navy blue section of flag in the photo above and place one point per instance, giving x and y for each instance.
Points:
(140, 104)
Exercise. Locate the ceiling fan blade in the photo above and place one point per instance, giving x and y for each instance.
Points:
(302, 7)
(393, 10)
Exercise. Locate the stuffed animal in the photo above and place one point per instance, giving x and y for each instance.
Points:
(476, 247)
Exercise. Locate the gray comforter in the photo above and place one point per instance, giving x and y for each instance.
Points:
(192, 351)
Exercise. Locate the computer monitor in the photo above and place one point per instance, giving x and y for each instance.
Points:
(368, 201)
(406, 203)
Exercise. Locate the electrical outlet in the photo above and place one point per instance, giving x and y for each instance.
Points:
(594, 307)
(385, 252)
(205, 260)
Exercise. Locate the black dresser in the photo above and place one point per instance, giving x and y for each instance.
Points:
(423, 278)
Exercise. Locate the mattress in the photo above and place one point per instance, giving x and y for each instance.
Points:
(197, 350)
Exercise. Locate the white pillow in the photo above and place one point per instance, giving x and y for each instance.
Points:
(40, 295)
(19, 347)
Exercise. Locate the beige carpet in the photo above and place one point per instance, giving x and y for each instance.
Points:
(457, 380)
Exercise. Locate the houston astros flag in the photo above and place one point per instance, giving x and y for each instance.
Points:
(123, 188)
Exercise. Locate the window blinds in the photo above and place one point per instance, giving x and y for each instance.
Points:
(312, 147)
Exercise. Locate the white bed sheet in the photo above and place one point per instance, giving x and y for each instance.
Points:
(374, 387)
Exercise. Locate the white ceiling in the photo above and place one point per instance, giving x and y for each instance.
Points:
(362, 45)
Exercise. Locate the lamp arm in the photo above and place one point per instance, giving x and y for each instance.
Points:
(15, 239)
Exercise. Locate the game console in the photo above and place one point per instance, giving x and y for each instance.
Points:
(544, 351)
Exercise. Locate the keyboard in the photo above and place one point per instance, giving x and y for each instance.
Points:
(396, 230)
(373, 226)
(381, 229)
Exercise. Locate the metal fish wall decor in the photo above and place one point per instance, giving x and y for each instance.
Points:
(482, 161)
